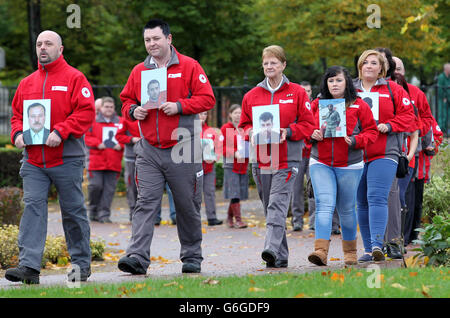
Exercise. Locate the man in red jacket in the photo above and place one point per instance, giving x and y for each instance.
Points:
(60, 160)
(170, 150)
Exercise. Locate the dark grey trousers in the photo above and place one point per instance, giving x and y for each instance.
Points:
(154, 166)
(274, 190)
(209, 194)
(393, 227)
(67, 178)
(101, 190)
(130, 181)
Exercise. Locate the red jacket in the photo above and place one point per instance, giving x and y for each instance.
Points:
(361, 128)
(423, 167)
(419, 99)
(103, 159)
(187, 85)
(388, 145)
(129, 130)
(295, 116)
(211, 133)
(230, 146)
(72, 111)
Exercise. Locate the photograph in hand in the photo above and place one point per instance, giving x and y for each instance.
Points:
(36, 121)
(332, 117)
(153, 88)
(266, 124)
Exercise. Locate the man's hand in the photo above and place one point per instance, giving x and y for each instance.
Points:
(135, 139)
(101, 146)
(383, 128)
(283, 135)
(19, 142)
(169, 108)
(140, 113)
(317, 135)
(117, 147)
(53, 140)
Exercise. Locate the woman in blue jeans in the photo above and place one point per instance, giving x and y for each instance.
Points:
(336, 165)
(394, 116)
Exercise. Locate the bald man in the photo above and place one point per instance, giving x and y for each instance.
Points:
(60, 160)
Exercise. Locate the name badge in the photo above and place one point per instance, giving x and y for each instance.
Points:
(59, 88)
(174, 75)
(282, 101)
(200, 173)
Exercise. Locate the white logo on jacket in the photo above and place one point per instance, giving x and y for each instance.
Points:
(202, 78)
(406, 101)
(308, 105)
(86, 92)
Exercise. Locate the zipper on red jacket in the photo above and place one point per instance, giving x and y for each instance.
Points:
(157, 128)
(43, 97)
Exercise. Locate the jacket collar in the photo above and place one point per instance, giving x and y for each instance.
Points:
(358, 83)
(148, 62)
(101, 119)
(59, 62)
(265, 85)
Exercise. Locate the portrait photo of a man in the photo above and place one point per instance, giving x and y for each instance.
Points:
(153, 88)
(36, 116)
(332, 117)
(266, 124)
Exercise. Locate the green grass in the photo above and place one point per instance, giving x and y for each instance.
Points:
(345, 283)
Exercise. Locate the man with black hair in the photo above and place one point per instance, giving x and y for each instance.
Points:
(170, 150)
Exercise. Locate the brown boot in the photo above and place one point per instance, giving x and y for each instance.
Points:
(349, 248)
(320, 254)
(230, 222)
(236, 207)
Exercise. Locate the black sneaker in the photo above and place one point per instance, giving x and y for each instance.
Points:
(212, 222)
(22, 274)
(297, 228)
(278, 264)
(191, 268)
(74, 276)
(105, 220)
(336, 232)
(131, 265)
(269, 257)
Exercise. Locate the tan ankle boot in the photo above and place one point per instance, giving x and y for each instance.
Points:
(320, 254)
(349, 248)
(236, 207)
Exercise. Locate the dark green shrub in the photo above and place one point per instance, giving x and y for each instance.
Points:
(4, 140)
(9, 167)
(11, 207)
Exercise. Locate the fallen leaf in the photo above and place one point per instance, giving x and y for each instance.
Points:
(397, 285)
(256, 289)
(359, 274)
(170, 284)
(210, 281)
(413, 274)
(335, 259)
(203, 230)
(282, 283)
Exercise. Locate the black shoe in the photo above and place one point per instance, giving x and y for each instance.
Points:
(212, 222)
(269, 257)
(297, 228)
(191, 268)
(73, 276)
(336, 232)
(131, 265)
(22, 274)
(393, 251)
(105, 220)
(278, 264)
(174, 221)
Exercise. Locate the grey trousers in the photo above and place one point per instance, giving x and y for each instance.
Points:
(101, 190)
(209, 194)
(130, 181)
(393, 227)
(274, 190)
(298, 197)
(154, 166)
(67, 179)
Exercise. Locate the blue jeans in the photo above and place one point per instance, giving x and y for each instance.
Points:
(372, 201)
(335, 187)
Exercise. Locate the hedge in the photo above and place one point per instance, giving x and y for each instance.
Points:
(9, 167)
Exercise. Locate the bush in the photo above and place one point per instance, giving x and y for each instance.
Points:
(436, 197)
(10, 166)
(11, 207)
(55, 251)
(435, 241)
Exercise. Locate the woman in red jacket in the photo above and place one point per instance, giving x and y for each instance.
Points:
(105, 161)
(336, 165)
(235, 164)
(395, 115)
(277, 162)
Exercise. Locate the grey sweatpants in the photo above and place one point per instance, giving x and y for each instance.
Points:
(393, 227)
(209, 194)
(67, 178)
(154, 166)
(274, 190)
(101, 190)
(130, 181)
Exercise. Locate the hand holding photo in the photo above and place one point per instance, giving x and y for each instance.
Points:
(208, 149)
(153, 88)
(109, 137)
(332, 117)
(36, 121)
(266, 124)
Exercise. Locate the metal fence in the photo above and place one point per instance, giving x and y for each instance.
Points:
(225, 97)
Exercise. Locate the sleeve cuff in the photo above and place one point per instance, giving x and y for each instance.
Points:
(180, 110)
(131, 111)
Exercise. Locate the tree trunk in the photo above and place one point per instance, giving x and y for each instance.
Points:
(34, 28)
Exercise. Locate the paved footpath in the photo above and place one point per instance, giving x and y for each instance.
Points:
(225, 251)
